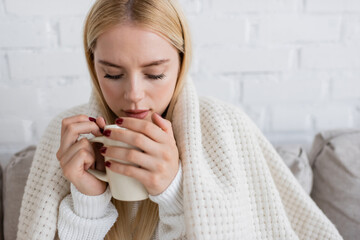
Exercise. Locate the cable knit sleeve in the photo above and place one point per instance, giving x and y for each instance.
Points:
(171, 211)
(85, 217)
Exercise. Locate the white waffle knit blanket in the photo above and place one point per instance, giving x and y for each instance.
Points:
(235, 185)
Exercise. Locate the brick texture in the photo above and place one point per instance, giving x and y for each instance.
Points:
(48, 8)
(21, 33)
(335, 57)
(292, 65)
(25, 64)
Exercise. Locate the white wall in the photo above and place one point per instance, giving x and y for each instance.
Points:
(293, 65)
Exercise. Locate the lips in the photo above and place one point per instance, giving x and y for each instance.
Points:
(137, 113)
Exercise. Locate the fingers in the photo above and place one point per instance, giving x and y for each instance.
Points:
(72, 127)
(73, 131)
(143, 134)
(132, 138)
(162, 123)
(81, 127)
(66, 122)
(78, 156)
(154, 183)
(100, 121)
(74, 170)
(140, 174)
(75, 165)
(83, 144)
(132, 156)
(147, 128)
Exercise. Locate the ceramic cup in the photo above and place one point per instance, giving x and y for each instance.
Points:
(122, 187)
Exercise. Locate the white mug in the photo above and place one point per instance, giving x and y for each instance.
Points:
(122, 187)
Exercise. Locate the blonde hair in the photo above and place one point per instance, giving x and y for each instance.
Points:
(165, 18)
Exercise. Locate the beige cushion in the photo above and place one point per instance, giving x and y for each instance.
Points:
(296, 159)
(335, 157)
(15, 175)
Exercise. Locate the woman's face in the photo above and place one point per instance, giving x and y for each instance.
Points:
(137, 70)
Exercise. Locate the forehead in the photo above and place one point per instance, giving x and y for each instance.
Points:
(129, 42)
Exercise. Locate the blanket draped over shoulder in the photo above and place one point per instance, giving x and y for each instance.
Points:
(235, 185)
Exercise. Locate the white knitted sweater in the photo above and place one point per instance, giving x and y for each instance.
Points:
(235, 185)
(93, 216)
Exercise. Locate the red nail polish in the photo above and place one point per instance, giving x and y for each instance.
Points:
(92, 119)
(103, 150)
(119, 121)
(108, 164)
(107, 133)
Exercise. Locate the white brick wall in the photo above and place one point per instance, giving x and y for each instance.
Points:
(2, 9)
(15, 131)
(290, 28)
(351, 29)
(333, 6)
(231, 59)
(274, 91)
(346, 89)
(49, 63)
(20, 33)
(70, 30)
(325, 119)
(209, 85)
(299, 119)
(330, 57)
(19, 101)
(4, 74)
(203, 30)
(241, 6)
(292, 65)
(47, 8)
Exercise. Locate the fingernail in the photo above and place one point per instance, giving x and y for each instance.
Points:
(108, 164)
(107, 133)
(92, 119)
(119, 121)
(103, 150)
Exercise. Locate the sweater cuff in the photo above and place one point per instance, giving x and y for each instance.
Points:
(90, 207)
(171, 200)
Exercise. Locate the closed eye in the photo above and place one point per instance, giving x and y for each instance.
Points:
(114, 77)
(155, 77)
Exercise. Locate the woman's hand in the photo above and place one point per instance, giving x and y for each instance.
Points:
(76, 157)
(159, 161)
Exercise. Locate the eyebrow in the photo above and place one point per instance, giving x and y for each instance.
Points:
(154, 63)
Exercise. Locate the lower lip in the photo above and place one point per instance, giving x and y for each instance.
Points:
(141, 115)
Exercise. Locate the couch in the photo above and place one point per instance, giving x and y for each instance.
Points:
(329, 172)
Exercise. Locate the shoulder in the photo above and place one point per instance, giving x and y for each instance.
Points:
(210, 106)
(214, 112)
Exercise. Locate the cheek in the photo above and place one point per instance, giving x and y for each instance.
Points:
(167, 90)
(109, 91)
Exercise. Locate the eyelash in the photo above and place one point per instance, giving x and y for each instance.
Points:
(155, 77)
(113, 77)
(116, 77)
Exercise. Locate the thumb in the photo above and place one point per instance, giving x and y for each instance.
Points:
(162, 123)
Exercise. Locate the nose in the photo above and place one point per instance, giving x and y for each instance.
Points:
(134, 91)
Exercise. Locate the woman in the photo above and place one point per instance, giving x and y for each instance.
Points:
(209, 172)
